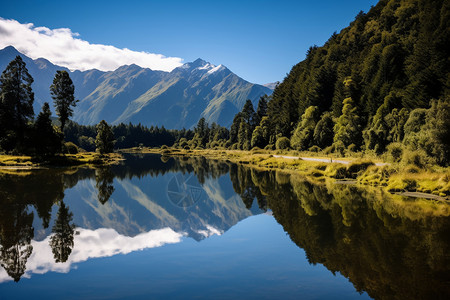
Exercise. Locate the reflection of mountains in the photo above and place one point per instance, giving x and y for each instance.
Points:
(130, 199)
(140, 205)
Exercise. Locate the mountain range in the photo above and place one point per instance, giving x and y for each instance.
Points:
(175, 100)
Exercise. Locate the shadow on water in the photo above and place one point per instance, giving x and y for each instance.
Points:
(388, 246)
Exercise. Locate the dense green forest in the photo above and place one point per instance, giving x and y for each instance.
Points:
(379, 86)
(381, 83)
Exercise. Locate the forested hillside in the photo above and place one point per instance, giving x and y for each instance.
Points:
(384, 79)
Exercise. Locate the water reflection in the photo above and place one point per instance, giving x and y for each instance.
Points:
(61, 240)
(386, 246)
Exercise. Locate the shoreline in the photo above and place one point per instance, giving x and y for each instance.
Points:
(13, 163)
(395, 179)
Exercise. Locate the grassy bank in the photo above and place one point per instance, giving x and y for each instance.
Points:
(10, 163)
(394, 177)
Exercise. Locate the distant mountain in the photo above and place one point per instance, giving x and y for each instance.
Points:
(133, 94)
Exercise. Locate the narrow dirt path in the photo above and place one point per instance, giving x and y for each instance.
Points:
(325, 160)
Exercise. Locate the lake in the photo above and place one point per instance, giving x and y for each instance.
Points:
(179, 228)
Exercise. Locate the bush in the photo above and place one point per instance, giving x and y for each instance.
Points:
(352, 147)
(337, 171)
(357, 168)
(269, 147)
(314, 149)
(339, 147)
(329, 149)
(394, 152)
(418, 158)
(70, 148)
(282, 143)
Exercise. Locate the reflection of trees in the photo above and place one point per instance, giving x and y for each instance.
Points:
(154, 165)
(384, 253)
(388, 247)
(243, 179)
(17, 194)
(61, 241)
(104, 179)
(16, 234)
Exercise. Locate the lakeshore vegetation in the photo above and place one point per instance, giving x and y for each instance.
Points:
(377, 91)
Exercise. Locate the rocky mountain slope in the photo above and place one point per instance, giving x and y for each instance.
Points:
(133, 94)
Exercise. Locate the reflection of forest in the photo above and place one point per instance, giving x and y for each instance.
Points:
(20, 194)
(386, 246)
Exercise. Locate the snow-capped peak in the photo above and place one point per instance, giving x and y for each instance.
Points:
(215, 69)
(207, 66)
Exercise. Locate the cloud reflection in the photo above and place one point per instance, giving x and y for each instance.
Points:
(93, 244)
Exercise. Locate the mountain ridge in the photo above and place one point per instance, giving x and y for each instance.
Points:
(140, 95)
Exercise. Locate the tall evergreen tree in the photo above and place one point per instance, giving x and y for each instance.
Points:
(62, 91)
(16, 104)
(234, 129)
(261, 110)
(248, 113)
(46, 140)
(105, 138)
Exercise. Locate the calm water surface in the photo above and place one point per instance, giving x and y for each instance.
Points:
(160, 228)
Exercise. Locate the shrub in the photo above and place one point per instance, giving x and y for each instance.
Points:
(282, 143)
(269, 147)
(314, 149)
(329, 149)
(70, 148)
(418, 158)
(337, 171)
(339, 147)
(352, 147)
(358, 167)
(394, 152)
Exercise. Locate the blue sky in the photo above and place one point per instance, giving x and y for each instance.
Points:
(258, 40)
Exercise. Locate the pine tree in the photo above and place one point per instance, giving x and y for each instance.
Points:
(243, 136)
(105, 138)
(249, 115)
(62, 91)
(234, 129)
(47, 141)
(261, 110)
(16, 105)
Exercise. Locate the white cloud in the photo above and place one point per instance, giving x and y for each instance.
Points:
(92, 244)
(63, 47)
